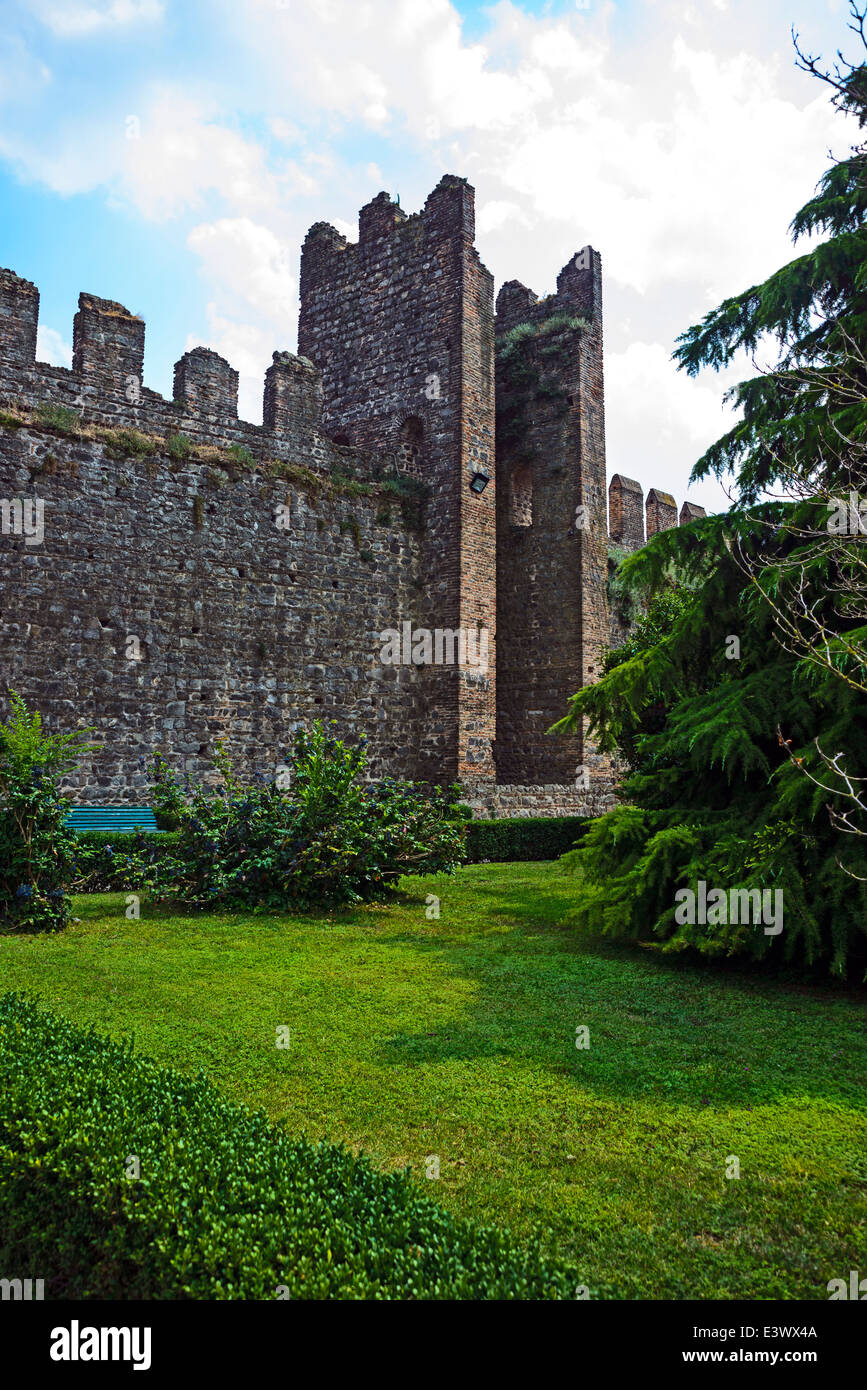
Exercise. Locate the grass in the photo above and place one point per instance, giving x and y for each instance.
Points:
(456, 1037)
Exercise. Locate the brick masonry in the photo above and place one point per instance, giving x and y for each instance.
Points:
(203, 578)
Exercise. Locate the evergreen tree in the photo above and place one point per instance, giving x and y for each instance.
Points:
(740, 702)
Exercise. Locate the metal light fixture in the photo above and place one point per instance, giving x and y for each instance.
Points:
(479, 480)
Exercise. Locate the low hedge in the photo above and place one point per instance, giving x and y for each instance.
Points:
(226, 1205)
(109, 861)
(540, 838)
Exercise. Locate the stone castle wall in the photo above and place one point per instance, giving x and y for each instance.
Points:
(201, 578)
(175, 601)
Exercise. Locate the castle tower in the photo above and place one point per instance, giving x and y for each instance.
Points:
(552, 618)
(400, 324)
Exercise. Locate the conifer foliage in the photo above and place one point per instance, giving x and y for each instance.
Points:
(740, 700)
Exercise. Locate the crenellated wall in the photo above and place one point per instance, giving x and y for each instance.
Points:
(626, 526)
(203, 577)
(200, 578)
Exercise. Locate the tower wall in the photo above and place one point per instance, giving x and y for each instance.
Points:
(552, 619)
(400, 324)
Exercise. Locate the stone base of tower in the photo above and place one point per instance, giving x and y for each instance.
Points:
(490, 801)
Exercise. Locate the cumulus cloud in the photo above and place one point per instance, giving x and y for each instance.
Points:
(658, 421)
(255, 308)
(179, 150)
(250, 263)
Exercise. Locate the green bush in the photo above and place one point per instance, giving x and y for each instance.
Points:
(36, 848)
(225, 1205)
(111, 861)
(505, 840)
(322, 838)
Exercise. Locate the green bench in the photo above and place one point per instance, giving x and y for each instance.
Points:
(111, 818)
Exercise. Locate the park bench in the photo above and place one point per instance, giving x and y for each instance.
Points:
(111, 818)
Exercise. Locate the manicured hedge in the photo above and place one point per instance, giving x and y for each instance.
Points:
(226, 1205)
(107, 861)
(539, 838)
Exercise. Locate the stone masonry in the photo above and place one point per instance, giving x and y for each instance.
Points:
(423, 466)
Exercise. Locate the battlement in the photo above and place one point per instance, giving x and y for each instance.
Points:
(104, 385)
(578, 295)
(448, 215)
(627, 509)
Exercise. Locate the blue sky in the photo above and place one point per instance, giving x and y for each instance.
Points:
(171, 156)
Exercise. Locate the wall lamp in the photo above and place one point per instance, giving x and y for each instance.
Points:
(479, 479)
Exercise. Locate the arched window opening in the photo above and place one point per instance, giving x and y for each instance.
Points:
(521, 496)
(410, 453)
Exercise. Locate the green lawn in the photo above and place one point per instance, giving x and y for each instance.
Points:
(456, 1037)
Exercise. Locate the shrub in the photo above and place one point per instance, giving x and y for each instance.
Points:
(167, 799)
(36, 848)
(323, 839)
(239, 454)
(226, 1205)
(127, 443)
(540, 838)
(111, 861)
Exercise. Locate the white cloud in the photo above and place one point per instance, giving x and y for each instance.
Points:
(183, 151)
(21, 72)
(250, 264)
(69, 20)
(679, 147)
(498, 213)
(52, 347)
(255, 308)
(659, 421)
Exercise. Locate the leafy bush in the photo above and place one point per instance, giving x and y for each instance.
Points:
(167, 798)
(112, 861)
(505, 840)
(226, 1205)
(36, 849)
(324, 839)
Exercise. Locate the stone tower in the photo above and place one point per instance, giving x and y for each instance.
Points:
(552, 618)
(401, 327)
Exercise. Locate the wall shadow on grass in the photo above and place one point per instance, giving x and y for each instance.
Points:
(696, 1035)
